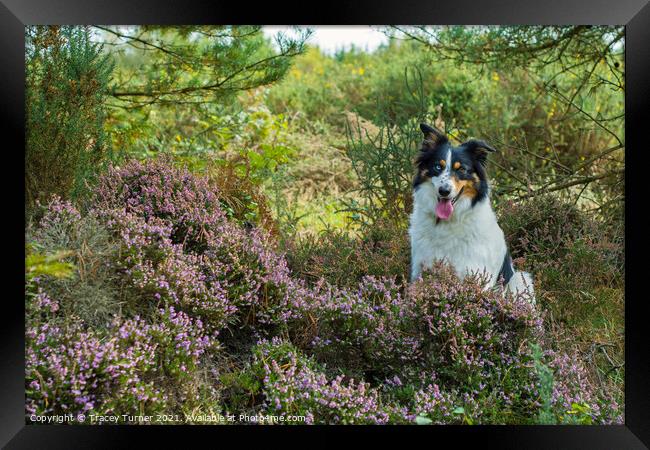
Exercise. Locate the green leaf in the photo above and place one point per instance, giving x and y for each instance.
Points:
(422, 420)
(37, 264)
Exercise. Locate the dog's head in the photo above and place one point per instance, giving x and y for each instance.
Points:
(457, 174)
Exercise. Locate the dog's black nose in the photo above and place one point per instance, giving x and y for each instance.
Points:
(443, 191)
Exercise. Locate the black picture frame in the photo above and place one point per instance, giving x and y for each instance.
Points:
(634, 14)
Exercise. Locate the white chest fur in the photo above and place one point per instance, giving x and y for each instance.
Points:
(471, 240)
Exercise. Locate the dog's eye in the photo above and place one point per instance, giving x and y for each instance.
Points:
(461, 169)
(437, 166)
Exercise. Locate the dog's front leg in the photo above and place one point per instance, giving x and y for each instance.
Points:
(416, 269)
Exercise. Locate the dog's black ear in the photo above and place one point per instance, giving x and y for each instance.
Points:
(479, 149)
(432, 136)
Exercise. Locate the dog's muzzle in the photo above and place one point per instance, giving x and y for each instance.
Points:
(455, 199)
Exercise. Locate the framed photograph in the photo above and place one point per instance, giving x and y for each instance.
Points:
(417, 225)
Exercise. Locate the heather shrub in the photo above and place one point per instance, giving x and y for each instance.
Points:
(561, 244)
(465, 337)
(80, 360)
(73, 371)
(485, 347)
(472, 333)
(475, 346)
(578, 265)
(293, 384)
(181, 293)
(170, 243)
(363, 331)
(131, 366)
(178, 246)
(432, 406)
(282, 380)
(157, 190)
(157, 272)
(188, 281)
(342, 259)
(575, 397)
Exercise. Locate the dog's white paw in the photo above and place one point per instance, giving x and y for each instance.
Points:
(522, 283)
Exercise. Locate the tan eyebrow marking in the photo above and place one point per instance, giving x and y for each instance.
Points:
(456, 164)
(443, 163)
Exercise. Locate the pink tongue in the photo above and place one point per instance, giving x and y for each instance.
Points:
(444, 209)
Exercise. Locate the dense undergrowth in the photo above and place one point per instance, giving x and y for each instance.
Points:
(178, 304)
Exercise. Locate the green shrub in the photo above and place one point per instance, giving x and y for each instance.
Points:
(67, 78)
(383, 164)
(323, 88)
(242, 199)
(92, 290)
(38, 264)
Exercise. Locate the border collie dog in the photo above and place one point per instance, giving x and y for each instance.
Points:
(452, 219)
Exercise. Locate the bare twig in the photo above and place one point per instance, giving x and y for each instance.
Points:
(568, 184)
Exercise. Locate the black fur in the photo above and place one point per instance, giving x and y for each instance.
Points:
(426, 159)
(507, 270)
(433, 134)
(479, 149)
